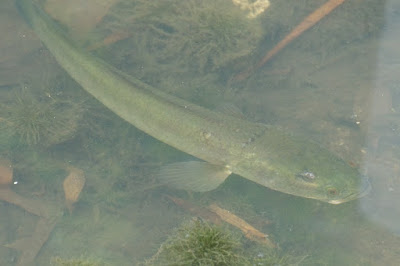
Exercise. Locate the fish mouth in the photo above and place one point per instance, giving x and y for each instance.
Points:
(364, 191)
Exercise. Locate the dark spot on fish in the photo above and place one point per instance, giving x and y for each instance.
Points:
(332, 191)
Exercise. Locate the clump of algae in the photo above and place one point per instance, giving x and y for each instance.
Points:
(199, 243)
(201, 36)
(57, 261)
(211, 34)
(37, 120)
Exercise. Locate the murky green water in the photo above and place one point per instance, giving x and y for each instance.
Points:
(337, 84)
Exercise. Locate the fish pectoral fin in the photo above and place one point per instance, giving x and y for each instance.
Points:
(193, 175)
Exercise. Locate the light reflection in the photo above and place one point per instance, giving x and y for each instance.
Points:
(383, 157)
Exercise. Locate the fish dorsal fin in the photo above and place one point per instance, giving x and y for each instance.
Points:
(193, 175)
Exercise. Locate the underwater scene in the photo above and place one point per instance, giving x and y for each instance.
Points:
(199, 132)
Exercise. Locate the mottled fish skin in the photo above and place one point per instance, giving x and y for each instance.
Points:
(261, 153)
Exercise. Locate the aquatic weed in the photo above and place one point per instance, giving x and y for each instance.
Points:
(45, 121)
(57, 261)
(199, 243)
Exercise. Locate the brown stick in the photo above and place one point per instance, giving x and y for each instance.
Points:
(30, 246)
(33, 206)
(110, 39)
(249, 231)
(196, 210)
(216, 214)
(307, 23)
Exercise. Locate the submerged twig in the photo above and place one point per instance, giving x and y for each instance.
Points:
(216, 215)
(307, 23)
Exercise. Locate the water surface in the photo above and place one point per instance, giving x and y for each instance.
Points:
(336, 84)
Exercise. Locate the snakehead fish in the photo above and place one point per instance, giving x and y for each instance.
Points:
(224, 143)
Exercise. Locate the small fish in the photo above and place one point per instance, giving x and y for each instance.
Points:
(226, 144)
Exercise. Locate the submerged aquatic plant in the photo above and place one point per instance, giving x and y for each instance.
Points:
(202, 35)
(45, 121)
(199, 243)
(185, 48)
(211, 34)
(57, 261)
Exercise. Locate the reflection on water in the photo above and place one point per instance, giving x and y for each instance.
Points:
(382, 161)
(336, 84)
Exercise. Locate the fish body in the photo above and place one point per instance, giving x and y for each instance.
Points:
(264, 154)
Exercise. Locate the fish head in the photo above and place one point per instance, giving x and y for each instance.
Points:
(302, 168)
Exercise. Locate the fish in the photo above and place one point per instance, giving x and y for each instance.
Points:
(224, 144)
